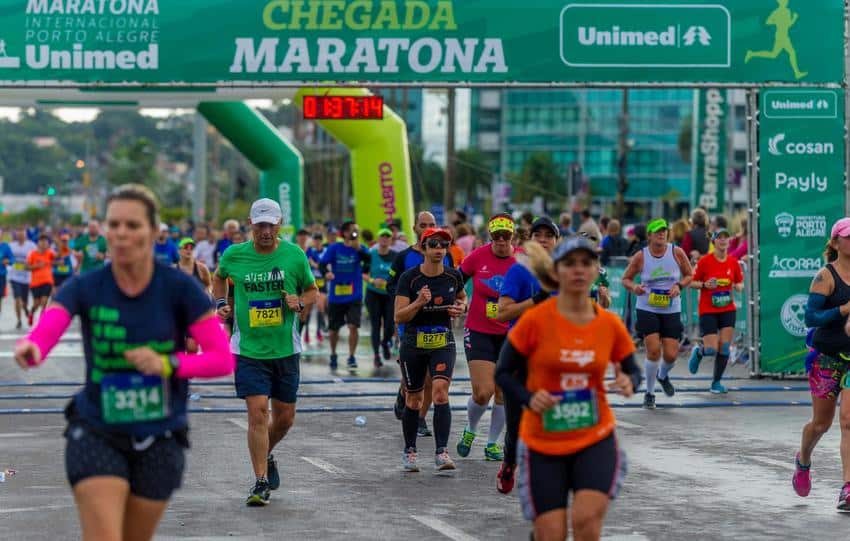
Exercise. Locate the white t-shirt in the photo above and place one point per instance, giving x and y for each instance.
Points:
(205, 252)
(18, 269)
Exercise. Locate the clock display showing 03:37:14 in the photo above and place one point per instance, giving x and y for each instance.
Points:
(343, 107)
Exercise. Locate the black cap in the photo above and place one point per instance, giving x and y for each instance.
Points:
(573, 244)
(543, 221)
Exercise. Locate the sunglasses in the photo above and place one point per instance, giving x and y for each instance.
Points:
(434, 243)
(501, 235)
(591, 237)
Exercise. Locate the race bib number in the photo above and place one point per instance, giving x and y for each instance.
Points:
(432, 337)
(19, 266)
(577, 410)
(492, 309)
(320, 282)
(130, 397)
(660, 298)
(724, 282)
(63, 269)
(721, 299)
(265, 313)
(343, 290)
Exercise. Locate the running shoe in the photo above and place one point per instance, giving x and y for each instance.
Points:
(649, 401)
(352, 362)
(423, 431)
(667, 386)
(465, 443)
(334, 363)
(718, 388)
(802, 479)
(443, 462)
(306, 337)
(30, 316)
(260, 494)
(408, 460)
(378, 363)
(694, 359)
(385, 349)
(505, 478)
(844, 498)
(273, 474)
(398, 407)
(19, 325)
(319, 337)
(493, 452)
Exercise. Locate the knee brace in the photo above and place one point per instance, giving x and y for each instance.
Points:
(725, 348)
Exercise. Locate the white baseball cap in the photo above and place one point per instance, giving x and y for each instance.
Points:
(266, 211)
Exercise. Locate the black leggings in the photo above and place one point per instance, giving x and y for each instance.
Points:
(380, 309)
(513, 414)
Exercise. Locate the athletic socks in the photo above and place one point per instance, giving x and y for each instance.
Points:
(720, 363)
(474, 412)
(442, 425)
(664, 369)
(497, 423)
(410, 426)
(651, 373)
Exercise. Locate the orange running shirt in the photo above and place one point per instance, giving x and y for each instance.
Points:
(44, 275)
(567, 358)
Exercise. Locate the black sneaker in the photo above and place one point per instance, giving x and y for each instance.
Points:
(378, 363)
(334, 364)
(667, 386)
(649, 401)
(398, 407)
(259, 495)
(272, 473)
(385, 349)
(352, 362)
(423, 431)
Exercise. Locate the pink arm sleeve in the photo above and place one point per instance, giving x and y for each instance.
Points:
(216, 359)
(51, 326)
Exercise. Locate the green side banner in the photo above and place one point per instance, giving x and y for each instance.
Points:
(249, 42)
(709, 149)
(801, 194)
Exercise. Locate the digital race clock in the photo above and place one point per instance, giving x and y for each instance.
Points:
(343, 107)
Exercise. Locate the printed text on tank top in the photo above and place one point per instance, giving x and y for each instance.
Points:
(658, 276)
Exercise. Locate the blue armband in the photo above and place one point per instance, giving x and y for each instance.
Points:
(818, 316)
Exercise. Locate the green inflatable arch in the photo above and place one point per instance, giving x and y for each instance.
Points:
(380, 164)
(281, 165)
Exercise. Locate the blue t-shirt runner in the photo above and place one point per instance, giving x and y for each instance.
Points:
(348, 266)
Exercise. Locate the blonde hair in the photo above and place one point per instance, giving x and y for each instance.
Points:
(540, 263)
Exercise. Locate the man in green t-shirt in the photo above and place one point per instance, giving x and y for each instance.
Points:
(272, 286)
(90, 249)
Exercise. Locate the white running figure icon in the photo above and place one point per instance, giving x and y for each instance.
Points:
(2, 48)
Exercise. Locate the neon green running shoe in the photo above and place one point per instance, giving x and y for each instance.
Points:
(493, 451)
(465, 443)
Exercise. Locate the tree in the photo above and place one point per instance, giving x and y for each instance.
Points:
(427, 178)
(134, 162)
(472, 171)
(539, 176)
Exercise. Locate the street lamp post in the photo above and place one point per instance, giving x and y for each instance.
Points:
(622, 157)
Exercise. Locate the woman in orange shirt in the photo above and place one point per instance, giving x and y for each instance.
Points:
(40, 263)
(567, 441)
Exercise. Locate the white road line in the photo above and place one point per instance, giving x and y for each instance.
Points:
(67, 336)
(624, 424)
(39, 508)
(446, 529)
(19, 434)
(771, 462)
(241, 423)
(322, 465)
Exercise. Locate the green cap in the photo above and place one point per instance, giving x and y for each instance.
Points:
(384, 232)
(186, 240)
(656, 225)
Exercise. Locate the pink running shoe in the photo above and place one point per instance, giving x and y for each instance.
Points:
(802, 480)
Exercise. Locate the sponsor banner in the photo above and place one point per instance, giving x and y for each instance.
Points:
(801, 194)
(251, 42)
(709, 149)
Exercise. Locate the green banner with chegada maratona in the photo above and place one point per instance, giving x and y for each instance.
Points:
(249, 42)
(708, 155)
(801, 194)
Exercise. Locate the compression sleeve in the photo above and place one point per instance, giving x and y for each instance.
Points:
(511, 364)
(630, 368)
(818, 316)
(51, 326)
(216, 359)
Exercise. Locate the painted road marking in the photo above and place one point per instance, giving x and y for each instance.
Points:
(39, 508)
(624, 424)
(771, 462)
(322, 465)
(446, 529)
(241, 423)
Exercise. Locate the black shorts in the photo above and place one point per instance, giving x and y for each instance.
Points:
(59, 279)
(344, 314)
(711, 323)
(21, 291)
(2, 286)
(41, 291)
(545, 481)
(667, 325)
(153, 469)
(417, 363)
(481, 346)
(275, 378)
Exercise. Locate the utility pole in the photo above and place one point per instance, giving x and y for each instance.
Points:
(623, 157)
(449, 180)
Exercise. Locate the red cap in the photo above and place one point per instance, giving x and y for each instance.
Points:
(435, 232)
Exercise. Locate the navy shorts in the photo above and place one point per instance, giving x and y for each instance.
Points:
(275, 378)
(340, 314)
(154, 469)
(41, 291)
(21, 291)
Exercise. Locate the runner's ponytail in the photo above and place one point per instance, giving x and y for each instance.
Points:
(540, 263)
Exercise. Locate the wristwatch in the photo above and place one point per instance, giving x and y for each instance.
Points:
(300, 306)
(174, 361)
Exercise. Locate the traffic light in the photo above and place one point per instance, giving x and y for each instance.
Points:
(51, 191)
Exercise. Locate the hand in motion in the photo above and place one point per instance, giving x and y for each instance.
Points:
(27, 354)
(146, 361)
(542, 401)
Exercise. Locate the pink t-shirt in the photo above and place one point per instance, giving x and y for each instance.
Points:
(488, 273)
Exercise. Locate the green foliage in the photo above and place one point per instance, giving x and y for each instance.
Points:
(427, 177)
(134, 162)
(31, 215)
(472, 171)
(539, 176)
(237, 210)
(173, 215)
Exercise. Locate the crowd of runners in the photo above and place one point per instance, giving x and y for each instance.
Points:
(160, 304)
